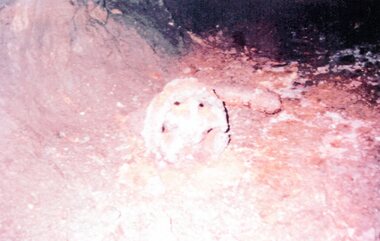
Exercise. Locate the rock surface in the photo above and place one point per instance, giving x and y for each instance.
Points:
(73, 98)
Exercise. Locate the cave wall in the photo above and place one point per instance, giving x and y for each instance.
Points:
(201, 15)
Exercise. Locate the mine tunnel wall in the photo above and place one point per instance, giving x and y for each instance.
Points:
(199, 15)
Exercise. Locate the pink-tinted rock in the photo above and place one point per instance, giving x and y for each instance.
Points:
(73, 96)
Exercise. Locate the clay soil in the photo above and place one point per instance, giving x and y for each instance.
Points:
(74, 86)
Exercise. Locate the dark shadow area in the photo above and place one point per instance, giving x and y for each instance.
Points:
(283, 28)
(351, 22)
(154, 22)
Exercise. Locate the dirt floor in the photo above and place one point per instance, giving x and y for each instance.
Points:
(75, 84)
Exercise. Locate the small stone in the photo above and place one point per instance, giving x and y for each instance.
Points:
(323, 69)
(98, 13)
(355, 84)
(309, 83)
(191, 70)
(61, 134)
(346, 60)
(369, 65)
(120, 105)
(116, 11)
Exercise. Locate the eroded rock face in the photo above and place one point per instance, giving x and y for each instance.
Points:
(186, 120)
